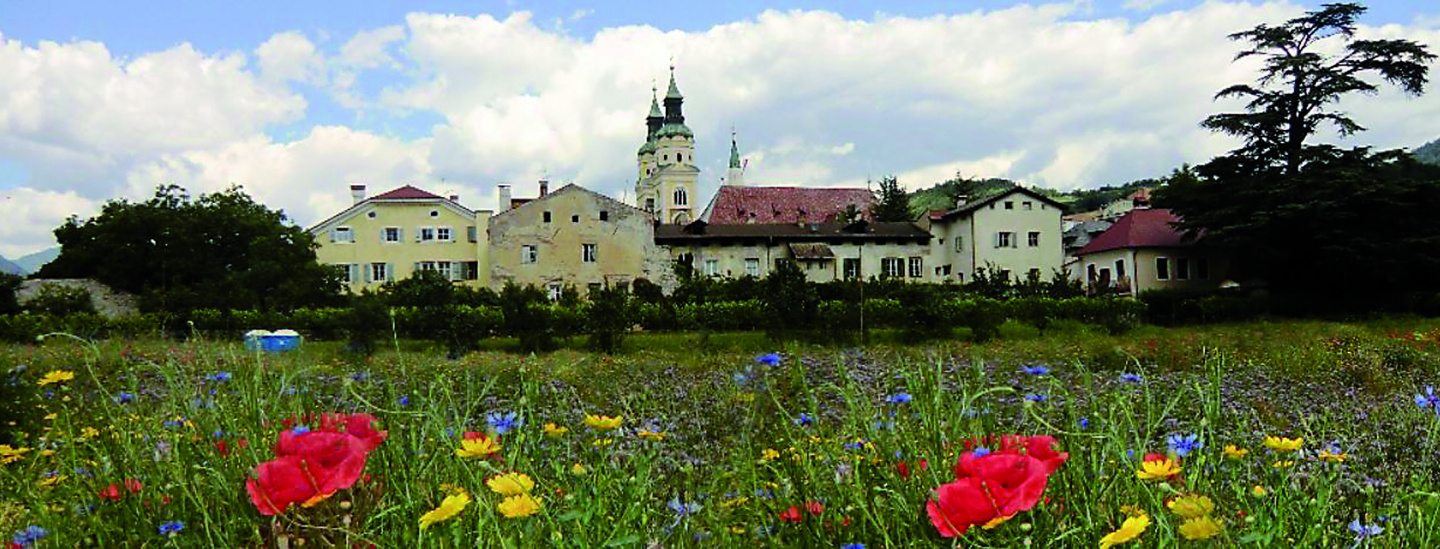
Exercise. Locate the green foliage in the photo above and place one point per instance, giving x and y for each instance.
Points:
(893, 203)
(528, 317)
(8, 284)
(367, 319)
(945, 195)
(19, 404)
(222, 251)
(608, 317)
(60, 300)
(790, 300)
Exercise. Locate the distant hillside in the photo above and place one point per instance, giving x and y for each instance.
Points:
(942, 196)
(7, 266)
(1428, 153)
(33, 262)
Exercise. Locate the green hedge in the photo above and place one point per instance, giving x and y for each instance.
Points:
(26, 327)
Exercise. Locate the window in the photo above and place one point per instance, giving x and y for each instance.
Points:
(752, 266)
(1202, 269)
(546, 217)
(604, 215)
(554, 290)
(342, 234)
(427, 234)
(380, 272)
(443, 234)
(851, 267)
(892, 267)
(470, 270)
(424, 266)
(472, 233)
(1028, 205)
(1090, 273)
(916, 264)
(371, 214)
(1162, 268)
(1009, 205)
(1182, 268)
(680, 197)
(587, 253)
(443, 267)
(959, 244)
(1033, 239)
(351, 270)
(1034, 271)
(1120, 268)
(1004, 239)
(592, 287)
(392, 235)
(712, 267)
(575, 218)
(649, 204)
(1005, 275)
(529, 253)
(434, 213)
(779, 261)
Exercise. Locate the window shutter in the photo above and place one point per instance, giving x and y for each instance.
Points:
(366, 272)
(997, 240)
(389, 272)
(332, 236)
(382, 234)
(400, 234)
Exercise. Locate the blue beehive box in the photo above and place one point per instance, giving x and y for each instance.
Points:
(272, 342)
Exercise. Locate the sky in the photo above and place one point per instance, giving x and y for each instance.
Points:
(295, 101)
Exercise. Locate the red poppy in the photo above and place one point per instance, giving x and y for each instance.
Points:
(133, 485)
(998, 484)
(334, 460)
(111, 492)
(903, 469)
(814, 507)
(221, 448)
(791, 515)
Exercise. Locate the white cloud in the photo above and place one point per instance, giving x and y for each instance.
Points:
(1143, 5)
(31, 214)
(289, 56)
(581, 14)
(369, 49)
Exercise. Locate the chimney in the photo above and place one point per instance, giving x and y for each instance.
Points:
(961, 200)
(455, 198)
(357, 193)
(544, 187)
(502, 197)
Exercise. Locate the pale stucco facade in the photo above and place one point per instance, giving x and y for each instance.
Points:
(1017, 231)
(1131, 271)
(384, 239)
(823, 252)
(575, 237)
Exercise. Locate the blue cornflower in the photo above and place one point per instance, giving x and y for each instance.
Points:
(503, 422)
(768, 359)
(173, 423)
(300, 429)
(360, 376)
(1084, 423)
(1429, 398)
(125, 398)
(1037, 397)
(218, 434)
(804, 420)
(899, 398)
(404, 401)
(171, 527)
(854, 445)
(853, 546)
(1037, 370)
(681, 508)
(884, 425)
(764, 494)
(740, 378)
(980, 452)
(28, 536)
(1363, 531)
(219, 376)
(1131, 378)
(82, 471)
(1184, 444)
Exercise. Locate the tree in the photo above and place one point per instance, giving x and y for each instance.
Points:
(1299, 82)
(221, 251)
(894, 204)
(608, 318)
(791, 302)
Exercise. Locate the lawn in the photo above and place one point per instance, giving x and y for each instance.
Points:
(1291, 433)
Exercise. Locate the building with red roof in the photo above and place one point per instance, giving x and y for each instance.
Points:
(736, 205)
(1144, 251)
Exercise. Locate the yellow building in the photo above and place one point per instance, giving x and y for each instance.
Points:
(575, 237)
(1016, 231)
(391, 235)
(823, 251)
(1142, 251)
(665, 185)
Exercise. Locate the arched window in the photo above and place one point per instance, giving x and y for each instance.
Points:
(680, 198)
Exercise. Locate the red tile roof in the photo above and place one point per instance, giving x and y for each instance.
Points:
(407, 193)
(767, 205)
(1138, 228)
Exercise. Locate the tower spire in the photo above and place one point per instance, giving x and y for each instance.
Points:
(734, 150)
(735, 176)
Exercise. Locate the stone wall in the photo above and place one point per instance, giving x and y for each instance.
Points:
(109, 303)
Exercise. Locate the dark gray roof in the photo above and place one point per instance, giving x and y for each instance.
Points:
(977, 204)
(699, 231)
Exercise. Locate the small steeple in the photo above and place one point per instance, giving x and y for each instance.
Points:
(674, 91)
(735, 176)
(655, 105)
(734, 151)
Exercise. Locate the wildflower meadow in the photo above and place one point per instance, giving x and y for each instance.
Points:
(1292, 434)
